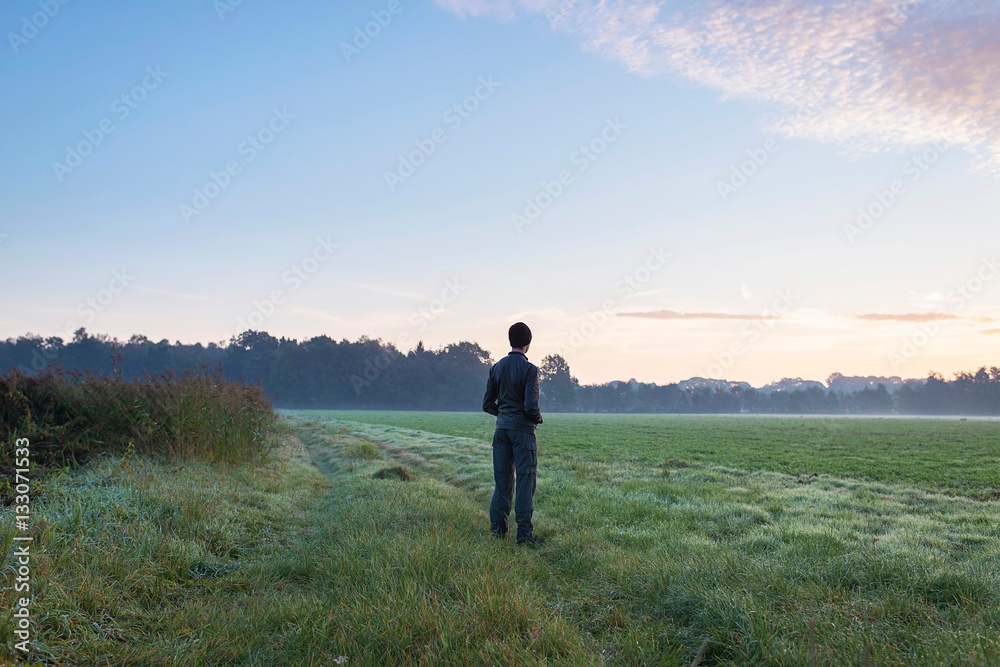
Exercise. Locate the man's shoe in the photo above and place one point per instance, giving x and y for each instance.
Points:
(530, 541)
(497, 535)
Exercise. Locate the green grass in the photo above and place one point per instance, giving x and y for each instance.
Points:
(367, 544)
(950, 455)
(142, 562)
(655, 543)
(304, 561)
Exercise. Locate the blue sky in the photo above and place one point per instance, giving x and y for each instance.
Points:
(765, 278)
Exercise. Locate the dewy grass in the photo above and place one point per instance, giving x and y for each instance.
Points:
(154, 564)
(952, 455)
(364, 449)
(146, 562)
(313, 559)
(645, 560)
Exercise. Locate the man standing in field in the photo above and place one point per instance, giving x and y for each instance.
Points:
(512, 397)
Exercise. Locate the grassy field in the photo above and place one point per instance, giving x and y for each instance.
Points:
(142, 562)
(950, 455)
(782, 541)
(365, 541)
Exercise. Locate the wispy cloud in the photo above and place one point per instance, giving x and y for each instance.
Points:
(864, 317)
(179, 295)
(388, 291)
(918, 317)
(873, 74)
(905, 317)
(315, 314)
(678, 315)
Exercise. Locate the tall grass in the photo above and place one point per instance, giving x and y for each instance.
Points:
(197, 415)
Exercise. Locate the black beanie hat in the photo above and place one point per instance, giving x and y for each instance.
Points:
(519, 335)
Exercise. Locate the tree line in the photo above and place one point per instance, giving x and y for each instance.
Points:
(322, 372)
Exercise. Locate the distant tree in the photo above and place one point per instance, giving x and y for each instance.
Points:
(461, 370)
(558, 386)
(874, 401)
(251, 355)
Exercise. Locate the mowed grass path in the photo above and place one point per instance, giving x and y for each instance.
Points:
(960, 456)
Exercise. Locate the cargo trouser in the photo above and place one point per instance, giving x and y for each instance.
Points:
(513, 451)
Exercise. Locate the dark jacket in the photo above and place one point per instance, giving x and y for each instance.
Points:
(512, 393)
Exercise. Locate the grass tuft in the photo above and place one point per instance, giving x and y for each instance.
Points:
(395, 472)
(363, 449)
